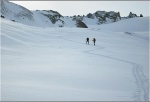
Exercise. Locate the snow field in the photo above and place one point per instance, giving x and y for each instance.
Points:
(53, 64)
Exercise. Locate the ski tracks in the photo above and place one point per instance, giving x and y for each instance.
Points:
(142, 92)
(142, 83)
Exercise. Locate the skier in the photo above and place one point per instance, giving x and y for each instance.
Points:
(94, 40)
(87, 40)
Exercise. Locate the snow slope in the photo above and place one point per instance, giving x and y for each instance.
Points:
(22, 15)
(139, 24)
(55, 64)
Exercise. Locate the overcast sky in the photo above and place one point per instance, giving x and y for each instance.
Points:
(70, 8)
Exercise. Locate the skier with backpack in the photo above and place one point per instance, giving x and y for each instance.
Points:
(87, 40)
(94, 40)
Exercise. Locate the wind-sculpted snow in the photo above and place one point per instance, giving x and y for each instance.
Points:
(55, 64)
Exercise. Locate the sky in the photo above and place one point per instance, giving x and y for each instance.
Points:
(70, 8)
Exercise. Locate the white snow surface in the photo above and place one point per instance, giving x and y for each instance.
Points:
(138, 24)
(55, 64)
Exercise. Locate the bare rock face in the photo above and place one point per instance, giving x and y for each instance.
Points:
(81, 24)
(131, 15)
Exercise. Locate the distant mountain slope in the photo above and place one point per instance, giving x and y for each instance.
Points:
(140, 24)
(15, 12)
(49, 18)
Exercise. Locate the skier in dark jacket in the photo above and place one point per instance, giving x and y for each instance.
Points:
(87, 40)
(94, 40)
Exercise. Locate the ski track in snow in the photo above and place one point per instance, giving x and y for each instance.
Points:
(140, 79)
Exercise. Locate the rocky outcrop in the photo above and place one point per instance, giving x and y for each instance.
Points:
(81, 24)
(131, 15)
(54, 16)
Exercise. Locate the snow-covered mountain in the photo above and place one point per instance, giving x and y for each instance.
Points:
(49, 18)
(44, 56)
